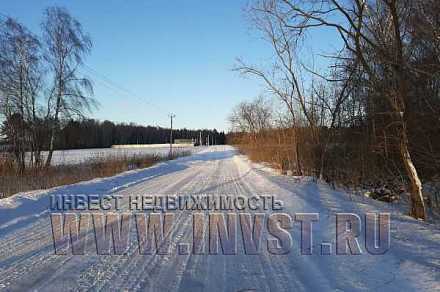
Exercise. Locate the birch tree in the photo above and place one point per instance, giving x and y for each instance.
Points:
(67, 46)
(20, 86)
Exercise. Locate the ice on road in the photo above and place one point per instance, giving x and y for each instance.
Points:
(28, 262)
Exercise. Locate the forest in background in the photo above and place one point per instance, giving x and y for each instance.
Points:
(90, 133)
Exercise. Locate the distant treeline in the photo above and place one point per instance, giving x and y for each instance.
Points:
(90, 133)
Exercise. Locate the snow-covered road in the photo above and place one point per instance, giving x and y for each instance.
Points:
(27, 259)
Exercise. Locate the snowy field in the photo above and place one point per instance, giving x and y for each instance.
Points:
(76, 156)
(28, 262)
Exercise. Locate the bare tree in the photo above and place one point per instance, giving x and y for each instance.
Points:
(67, 45)
(374, 32)
(20, 86)
(252, 117)
(283, 80)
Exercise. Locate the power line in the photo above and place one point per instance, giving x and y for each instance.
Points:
(117, 91)
(112, 85)
(119, 87)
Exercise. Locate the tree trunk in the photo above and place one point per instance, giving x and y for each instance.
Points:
(52, 135)
(51, 145)
(56, 117)
(418, 210)
(298, 159)
(322, 163)
(52, 140)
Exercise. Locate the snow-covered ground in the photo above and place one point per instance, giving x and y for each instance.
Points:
(76, 156)
(27, 260)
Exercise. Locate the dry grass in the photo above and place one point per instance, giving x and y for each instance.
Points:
(281, 158)
(278, 156)
(37, 178)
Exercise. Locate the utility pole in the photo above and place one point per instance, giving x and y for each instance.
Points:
(172, 116)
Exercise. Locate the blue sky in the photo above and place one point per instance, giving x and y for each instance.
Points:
(173, 55)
